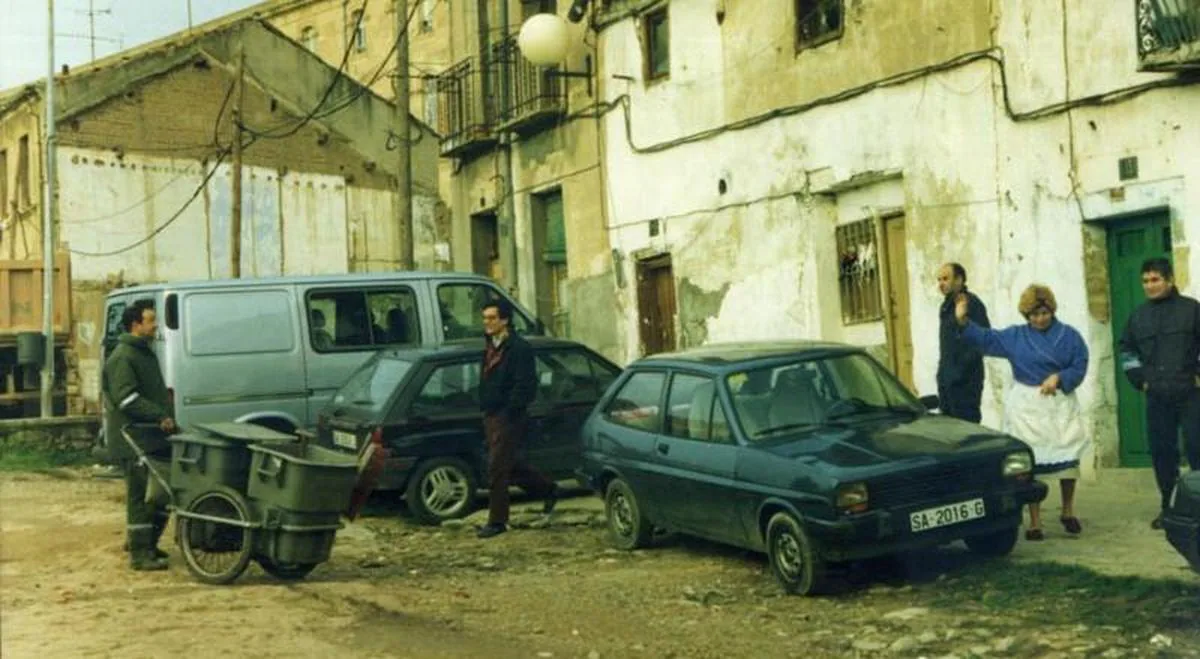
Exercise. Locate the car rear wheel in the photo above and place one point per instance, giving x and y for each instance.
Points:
(795, 562)
(998, 543)
(627, 527)
(441, 489)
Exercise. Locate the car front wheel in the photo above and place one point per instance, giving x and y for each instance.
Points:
(998, 543)
(794, 559)
(627, 527)
(441, 489)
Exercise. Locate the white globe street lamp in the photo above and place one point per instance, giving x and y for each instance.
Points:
(543, 41)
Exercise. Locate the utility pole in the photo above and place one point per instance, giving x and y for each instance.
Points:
(404, 224)
(189, 10)
(48, 234)
(235, 220)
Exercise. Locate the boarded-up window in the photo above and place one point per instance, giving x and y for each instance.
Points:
(858, 272)
(23, 182)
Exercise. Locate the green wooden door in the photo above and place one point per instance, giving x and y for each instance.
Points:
(1129, 244)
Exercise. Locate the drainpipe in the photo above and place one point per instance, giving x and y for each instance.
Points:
(508, 214)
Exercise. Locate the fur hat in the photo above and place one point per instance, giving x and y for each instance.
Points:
(1037, 297)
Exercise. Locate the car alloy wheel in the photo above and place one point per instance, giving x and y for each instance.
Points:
(441, 489)
(795, 562)
(628, 528)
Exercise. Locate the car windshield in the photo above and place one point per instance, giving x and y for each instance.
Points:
(371, 387)
(808, 394)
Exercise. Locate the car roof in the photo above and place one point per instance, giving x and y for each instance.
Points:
(468, 347)
(365, 278)
(724, 356)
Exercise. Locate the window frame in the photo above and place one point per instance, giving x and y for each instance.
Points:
(593, 360)
(716, 404)
(651, 19)
(372, 345)
(827, 37)
(530, 324)
(867, 306)
(605, 411)
(412, 388)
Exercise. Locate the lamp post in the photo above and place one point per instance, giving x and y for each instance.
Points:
(543, 40)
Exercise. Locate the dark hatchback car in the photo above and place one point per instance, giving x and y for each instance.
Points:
(811, 452)
(1182, 521)
(422, 405)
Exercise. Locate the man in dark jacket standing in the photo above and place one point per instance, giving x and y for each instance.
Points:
(960, 366)
(1160, 354)
(134, 392)
(508, 384)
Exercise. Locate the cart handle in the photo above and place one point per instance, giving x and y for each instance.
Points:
(269, 473)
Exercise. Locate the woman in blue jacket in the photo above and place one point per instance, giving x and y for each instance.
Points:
(1049, 360)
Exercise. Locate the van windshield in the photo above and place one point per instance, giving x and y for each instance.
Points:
(370, 388)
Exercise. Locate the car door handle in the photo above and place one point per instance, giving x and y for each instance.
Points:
(663, 448)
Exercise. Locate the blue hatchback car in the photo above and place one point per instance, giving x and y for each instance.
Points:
(810, 452)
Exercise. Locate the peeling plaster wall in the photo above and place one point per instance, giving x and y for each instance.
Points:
(1004, 197)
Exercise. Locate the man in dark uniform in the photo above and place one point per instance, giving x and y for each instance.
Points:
(136, 393)
(508, 384)
(960, 366)
(1160, 354)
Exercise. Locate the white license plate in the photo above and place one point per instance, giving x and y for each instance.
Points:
(345, 440)
(955, 513)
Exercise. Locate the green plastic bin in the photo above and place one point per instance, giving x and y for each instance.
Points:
(199, 462)
(301, 478)
(290, 538)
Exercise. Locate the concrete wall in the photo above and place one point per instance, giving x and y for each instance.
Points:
(975, 184)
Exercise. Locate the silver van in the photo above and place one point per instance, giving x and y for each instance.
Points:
(272, 351)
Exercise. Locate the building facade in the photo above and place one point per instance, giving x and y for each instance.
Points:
(800, 169)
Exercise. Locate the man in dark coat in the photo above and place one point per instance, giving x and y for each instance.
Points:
(508, 384)
(960, 366)
(1160, 354)
(134, 392)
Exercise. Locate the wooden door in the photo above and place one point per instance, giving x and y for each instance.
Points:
(1130, 243)
(656, 305)
(899, 314)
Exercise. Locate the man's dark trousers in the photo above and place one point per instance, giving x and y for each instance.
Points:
(1164, 416)
(504, 432)
(144, 522)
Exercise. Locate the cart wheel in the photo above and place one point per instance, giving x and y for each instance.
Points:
(286, 571)
(216, 552)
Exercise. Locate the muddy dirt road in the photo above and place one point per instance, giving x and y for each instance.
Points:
(394, 589)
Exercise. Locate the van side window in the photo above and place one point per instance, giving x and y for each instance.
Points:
(112, 325)
(357, 319)
(461, 307)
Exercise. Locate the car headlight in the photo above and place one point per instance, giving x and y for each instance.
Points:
(852, 497)
(1017, 464)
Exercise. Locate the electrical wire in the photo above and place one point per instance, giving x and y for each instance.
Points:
(179, 213)
(341, 72)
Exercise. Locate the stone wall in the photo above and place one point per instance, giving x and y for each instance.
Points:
(57, 436)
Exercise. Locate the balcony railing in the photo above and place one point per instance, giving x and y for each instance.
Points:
(465, 115)
(1168, 34)
(535, 96)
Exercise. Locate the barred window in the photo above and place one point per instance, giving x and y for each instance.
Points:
(858, 272)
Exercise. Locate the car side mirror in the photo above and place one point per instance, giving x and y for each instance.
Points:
(931, 402)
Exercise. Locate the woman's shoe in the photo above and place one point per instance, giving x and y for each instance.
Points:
(1072, 525)
(1034, 535)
